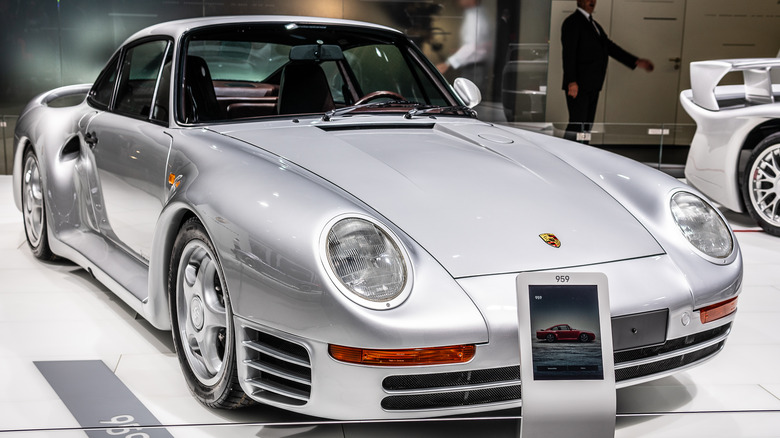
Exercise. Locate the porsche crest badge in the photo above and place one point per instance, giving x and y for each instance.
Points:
(551, 240)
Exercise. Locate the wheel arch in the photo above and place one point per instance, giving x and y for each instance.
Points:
(169, 223)
(22, 146)
(44, 128)
(753, 139)
(760, 132)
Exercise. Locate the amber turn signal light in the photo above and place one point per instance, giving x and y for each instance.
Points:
(406, 357)
(718, 311)
(174, 180)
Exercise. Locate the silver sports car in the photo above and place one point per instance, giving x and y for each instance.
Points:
(325, 226)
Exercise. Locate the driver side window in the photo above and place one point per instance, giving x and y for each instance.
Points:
(138, 79)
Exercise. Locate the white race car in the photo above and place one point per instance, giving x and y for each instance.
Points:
(735, 153)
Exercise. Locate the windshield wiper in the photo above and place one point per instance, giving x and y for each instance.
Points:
(348, 109)
(420, 110)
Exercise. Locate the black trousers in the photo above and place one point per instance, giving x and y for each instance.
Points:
(582, 112)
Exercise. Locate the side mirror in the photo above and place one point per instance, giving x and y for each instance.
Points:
(468, 92)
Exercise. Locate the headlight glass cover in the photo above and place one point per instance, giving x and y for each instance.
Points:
(367, 261)
(702, 225)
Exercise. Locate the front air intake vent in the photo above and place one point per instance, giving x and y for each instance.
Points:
(671, 363)
(445, 400)
(376, 126)
(278, 370)
(453, 389)
(452, 379)
(671, 355)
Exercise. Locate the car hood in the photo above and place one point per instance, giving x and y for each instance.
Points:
(475, 197)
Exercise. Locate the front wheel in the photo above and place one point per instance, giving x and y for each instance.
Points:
(761, 184)
(202, 320)
(584, 337)
(34, 208)
(550, 337)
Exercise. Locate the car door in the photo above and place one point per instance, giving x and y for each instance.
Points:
(128, 146)
(566, 333)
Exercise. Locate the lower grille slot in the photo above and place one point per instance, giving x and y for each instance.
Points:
(662, 358)
(453, 389)
(666, 364)
(455, 379)
(671, 345)
(469, 388)
(451, 399)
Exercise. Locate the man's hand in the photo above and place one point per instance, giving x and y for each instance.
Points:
(443, 67)
(645, 64)
(574, 89)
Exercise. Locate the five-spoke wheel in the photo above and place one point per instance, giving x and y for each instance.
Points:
(34, 207)
(200, 308)
(202, 321)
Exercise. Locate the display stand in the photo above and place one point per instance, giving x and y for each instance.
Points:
(568, 381)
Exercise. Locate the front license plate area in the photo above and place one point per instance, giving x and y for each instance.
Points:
(639, 330)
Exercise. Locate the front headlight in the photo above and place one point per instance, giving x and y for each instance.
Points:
(702, 225)
(367, 263)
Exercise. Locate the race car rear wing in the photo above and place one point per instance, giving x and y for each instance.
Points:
(705, 76)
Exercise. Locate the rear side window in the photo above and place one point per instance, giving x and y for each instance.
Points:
(103, 89)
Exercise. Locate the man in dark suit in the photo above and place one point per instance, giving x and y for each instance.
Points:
(586, 52)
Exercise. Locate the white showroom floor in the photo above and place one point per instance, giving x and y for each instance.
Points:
(56, 312)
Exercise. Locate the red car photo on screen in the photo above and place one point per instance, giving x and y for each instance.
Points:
(565, 332)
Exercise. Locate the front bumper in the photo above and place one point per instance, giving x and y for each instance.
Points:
(298, 374)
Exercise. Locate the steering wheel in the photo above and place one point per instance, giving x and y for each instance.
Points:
(379, 95)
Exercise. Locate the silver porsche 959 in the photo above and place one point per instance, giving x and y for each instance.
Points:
(325, 226)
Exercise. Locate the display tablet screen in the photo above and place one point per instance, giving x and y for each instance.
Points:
(566, 339)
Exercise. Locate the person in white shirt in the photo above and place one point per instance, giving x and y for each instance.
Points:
(473, 58)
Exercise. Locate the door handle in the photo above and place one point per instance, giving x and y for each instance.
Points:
(676, 62)
(91, 139)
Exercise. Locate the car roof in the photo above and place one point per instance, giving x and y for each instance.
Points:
(176, 28)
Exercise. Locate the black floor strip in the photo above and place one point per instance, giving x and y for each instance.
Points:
(99, 400)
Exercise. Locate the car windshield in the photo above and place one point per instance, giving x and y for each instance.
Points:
(250, 71)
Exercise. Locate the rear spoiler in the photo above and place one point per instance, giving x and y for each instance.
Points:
(705, 76)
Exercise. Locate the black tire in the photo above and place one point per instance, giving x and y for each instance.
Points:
(34, 207)
(550, 337)
(761, 184)
(584, 337)
(202, 320)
